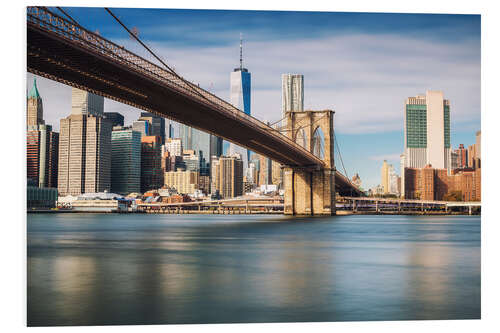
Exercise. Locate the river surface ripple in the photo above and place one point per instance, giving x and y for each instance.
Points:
(105, 269)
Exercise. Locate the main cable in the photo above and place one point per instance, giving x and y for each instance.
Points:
(68, 16)
(154, 55)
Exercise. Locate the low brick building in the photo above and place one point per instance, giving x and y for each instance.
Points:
(434, 184)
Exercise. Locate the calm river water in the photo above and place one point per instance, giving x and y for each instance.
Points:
(101, 269)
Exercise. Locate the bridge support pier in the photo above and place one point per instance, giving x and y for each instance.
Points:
(309, 192)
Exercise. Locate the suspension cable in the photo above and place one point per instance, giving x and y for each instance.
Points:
(68, 16)
(278, 121)
(340, 155)
(156, 57)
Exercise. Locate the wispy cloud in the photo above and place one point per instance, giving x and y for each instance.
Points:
(387, 157)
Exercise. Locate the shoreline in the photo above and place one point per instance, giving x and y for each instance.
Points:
(196, 212)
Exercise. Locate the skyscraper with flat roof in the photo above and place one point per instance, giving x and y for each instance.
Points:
(151, 172)
(84, 147)
(115, 118)
(427, 131)
(125, 160)
(385, 180)
(87, 103)
(292, 93)
(240, 93)
(84, 155)
(228, 176)
(156, 124)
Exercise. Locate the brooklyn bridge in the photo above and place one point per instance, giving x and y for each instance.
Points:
(60, 49)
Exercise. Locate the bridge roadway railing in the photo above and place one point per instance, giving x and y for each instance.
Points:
(54, 23)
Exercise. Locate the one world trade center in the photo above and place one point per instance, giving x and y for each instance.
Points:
(240, 98)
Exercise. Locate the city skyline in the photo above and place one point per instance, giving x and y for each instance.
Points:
(432, 49)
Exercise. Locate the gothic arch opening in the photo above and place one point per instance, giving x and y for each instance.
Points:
(301, 138)
(318, 143)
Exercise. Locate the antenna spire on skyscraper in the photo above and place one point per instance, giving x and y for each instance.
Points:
(241, 51)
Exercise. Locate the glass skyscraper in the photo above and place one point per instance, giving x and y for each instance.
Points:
(240, 98)
(427, 131)
(125, 161)
(204, 144)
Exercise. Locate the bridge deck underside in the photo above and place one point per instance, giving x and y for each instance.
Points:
(59, 59)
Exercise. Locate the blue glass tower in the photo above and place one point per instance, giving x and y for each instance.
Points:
(240, 98)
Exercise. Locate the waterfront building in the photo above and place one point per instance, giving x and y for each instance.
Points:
(402, 170)
(454, 160)
(125, 160)
(151, 172)
(156, 124)
(478, 149)
(265, 170)
(42, 150)
(37, 197)
(115, 118)
(393, 181)
(86, 103)
(214, 174)
(471, 156)
(437, 184)
(240, 97)
(204, 184)
(142, 126)
(292, 93)
(84, 154)
(385, 180)
(356, 180)
(34, 109)
(185, 182)
(229, 176)
(42, 144)
(463, 156)
(427, 131)
(104, 202)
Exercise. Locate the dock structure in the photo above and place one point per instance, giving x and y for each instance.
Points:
(345, 205)
(404, 206)
(230, 206)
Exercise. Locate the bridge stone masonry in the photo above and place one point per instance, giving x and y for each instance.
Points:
(311, 190)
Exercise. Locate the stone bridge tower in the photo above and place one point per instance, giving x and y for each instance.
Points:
(311, 190)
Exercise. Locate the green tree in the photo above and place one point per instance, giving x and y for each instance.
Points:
(453, 196)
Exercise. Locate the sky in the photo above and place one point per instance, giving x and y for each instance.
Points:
(362, 65)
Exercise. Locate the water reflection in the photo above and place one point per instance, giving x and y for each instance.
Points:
(153, 269)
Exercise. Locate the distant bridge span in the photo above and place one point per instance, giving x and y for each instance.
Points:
(65, 52)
